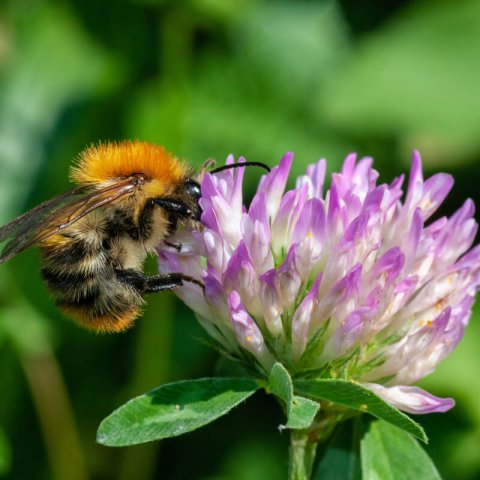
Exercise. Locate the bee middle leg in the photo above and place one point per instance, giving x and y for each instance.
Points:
(155, 283)
(176, 246)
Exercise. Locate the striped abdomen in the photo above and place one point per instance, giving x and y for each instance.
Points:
(82, 275)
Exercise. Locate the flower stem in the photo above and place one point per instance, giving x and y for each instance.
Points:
(303, 447)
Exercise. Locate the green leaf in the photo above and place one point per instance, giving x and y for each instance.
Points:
(300, 411)
(389, 453)
(354, 395)
(341, 460)
(280, 383)
(174, 409)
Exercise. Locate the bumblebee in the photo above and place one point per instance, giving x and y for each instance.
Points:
(129, 200)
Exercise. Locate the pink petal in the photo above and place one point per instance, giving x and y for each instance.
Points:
(411, 399)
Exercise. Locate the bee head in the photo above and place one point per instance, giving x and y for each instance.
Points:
(192, 192)
(192, 189)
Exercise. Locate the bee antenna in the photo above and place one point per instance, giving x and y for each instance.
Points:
(239, 165)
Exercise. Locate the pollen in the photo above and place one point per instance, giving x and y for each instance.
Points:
(429, 323)
(310, 234)
(249, 339)
(426, 204)
(440, 305)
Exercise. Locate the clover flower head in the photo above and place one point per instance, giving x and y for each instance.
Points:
(355, 282)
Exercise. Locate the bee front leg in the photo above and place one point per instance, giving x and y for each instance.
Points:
(178, 208)
(173, 206)
(156, 283)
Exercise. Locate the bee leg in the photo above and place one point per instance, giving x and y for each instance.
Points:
(176, 246)
(173, 206)
(178, 209)
(166, 281)
(156, 283)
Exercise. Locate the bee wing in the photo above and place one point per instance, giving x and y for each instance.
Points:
(60, 212)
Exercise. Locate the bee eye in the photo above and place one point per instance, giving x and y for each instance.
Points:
(192, 188)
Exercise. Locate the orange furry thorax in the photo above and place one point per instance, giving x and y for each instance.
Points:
(101, 164)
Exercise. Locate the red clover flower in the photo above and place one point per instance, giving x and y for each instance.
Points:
(354, 283)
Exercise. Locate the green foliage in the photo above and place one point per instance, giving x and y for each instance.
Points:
(174, 409)
(455, 440)
(341, 460)
(389, 453)
(5, 454)
(268, 461)
(379, 451)
(300, 411)
(31, 102)
(353, 395)
(404, 73)
(182, 407)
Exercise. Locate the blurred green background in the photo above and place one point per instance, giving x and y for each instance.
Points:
(206, 78)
